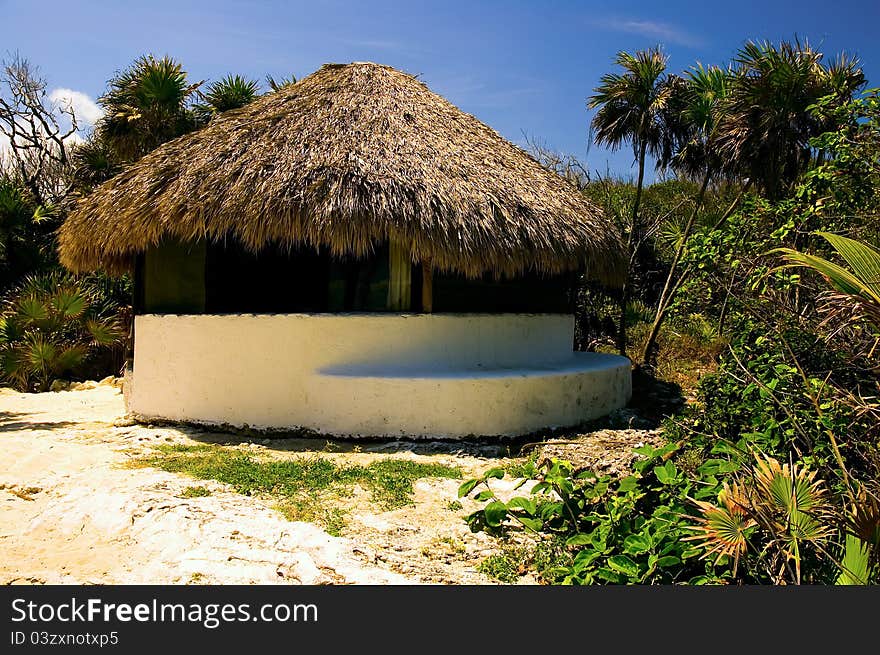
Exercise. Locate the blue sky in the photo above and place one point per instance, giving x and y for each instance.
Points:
(521, 67)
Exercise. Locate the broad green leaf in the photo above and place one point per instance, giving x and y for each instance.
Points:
(666, 473)
(691, 552)
(636, 544)
(484, 495)
(584, 558)
(628, 484)
(494, 473)
(579, 540)
(532, 524)
(646, 451)
(539, 488)
(466, 487)
(495, 513)
(608, 575)
(625, 565)
(526, 504)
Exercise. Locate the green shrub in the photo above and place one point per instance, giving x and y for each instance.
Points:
(51, 326)
(615, 531)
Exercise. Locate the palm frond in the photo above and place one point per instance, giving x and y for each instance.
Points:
(856, 562)
(857, 283)
(231, 92)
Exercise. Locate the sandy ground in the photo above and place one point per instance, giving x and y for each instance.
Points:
(71, 511)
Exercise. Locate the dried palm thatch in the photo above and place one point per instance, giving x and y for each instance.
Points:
(347, 157)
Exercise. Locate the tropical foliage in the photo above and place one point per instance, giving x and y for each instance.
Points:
(51, 326)
(764, 253)
(855, 293)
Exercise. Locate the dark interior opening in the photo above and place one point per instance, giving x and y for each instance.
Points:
(226, 278)
(526, 293)
(275, 280)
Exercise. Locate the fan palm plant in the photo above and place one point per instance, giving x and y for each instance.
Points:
(775, 511)
(49, 327)
(631, 108)
(230, 92)
(146, 105)
(855, 294)
(860, 562)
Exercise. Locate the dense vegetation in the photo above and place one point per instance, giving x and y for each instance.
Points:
(757, 261)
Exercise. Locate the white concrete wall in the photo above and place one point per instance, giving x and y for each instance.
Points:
(442, 375)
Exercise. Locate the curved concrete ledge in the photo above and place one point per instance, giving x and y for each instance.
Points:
(480, 403)
(373, 375)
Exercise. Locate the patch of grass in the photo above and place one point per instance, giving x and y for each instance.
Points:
(501, 567)
(456, 546)
(514, 561)
(391, 480)
(195, 492)
(311, 508)
(305, 486)
(454, 506)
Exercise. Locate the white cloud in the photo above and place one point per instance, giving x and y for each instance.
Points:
(653, 29)
(84, 108)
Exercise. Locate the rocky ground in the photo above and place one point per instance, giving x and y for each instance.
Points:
(72, 511)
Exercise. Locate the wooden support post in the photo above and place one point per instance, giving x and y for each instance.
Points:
(400, 277)
(427, 287)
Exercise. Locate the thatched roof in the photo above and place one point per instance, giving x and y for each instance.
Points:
(348, 156)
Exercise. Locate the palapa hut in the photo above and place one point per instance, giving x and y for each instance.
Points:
(355, 255)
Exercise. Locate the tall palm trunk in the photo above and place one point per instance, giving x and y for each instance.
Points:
(649, 353)
(632, 243)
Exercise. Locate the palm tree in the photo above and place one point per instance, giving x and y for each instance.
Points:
(768, 124)
(230, 92)
(632, 109)
(93, 163)
(146, 104)
(696, 107)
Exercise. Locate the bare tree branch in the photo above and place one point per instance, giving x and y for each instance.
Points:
(32, 125)
(565, 165)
